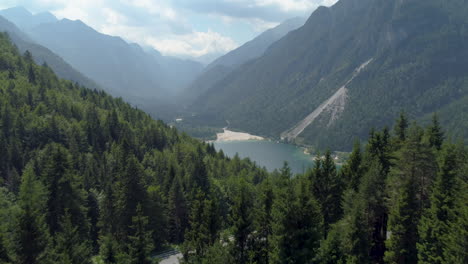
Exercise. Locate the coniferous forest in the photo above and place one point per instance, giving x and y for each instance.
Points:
(86, 178)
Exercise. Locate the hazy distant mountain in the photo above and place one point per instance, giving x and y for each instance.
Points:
(24, 19)
(178, 73)
(351, 67)
(43, 55)
(255, 48)
(125, 69)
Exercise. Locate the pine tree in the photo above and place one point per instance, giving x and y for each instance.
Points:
(70, 247)
(435, 133)
(197, 238)
(401, 127)
(31, 75)
(456, 241)
(129, 192)
(31, 235)
(264, 223)
(372, 198)
(178, 212)
(403, 219)
(109, 249)
(140, 244)
(356, 243)
(327, 188)
(298, 226)
(434, 225)
(64, 191)
(157, 216)
(352, 171)
(242, 222)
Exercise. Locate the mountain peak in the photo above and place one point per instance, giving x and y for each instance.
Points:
(17, 10)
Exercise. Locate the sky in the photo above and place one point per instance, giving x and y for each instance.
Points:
(181, 28)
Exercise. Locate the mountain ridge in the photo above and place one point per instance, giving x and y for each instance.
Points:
(299, 72)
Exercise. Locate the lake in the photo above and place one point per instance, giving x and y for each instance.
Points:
(268, 154)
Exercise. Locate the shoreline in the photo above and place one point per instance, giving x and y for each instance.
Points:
(229, 135)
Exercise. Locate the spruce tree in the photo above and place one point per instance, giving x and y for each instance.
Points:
(456, 241)
(140, 242)
(435, 133)
(298, 225)
(108, 249)
(356, 243)
(327, 187)
(264, 223)
(31, 237)
(401, 127)
(197, 238)
(70, 247)
(434, 225)
(242, 222)
(403, 219)
(352, 170)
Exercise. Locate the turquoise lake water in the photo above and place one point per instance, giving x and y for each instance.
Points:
(268, 154)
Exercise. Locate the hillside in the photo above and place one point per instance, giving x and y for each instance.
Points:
(253, 49)
(416, 66)
(121, 68)
(43, 55)
(86, 178)
(24, 19)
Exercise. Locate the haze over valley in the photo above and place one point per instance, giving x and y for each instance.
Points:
(246, 131)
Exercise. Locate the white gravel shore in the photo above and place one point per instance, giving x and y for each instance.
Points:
(228, 135)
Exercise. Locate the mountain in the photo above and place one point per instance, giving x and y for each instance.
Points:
(24, 19)
(178, 73)
(73, 158)
(351, 67)
(43, 55)
(255, 48)
(124, 69)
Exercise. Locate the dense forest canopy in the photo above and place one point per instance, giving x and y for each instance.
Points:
(86, 178)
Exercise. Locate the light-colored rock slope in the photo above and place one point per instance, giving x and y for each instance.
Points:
(335, 104)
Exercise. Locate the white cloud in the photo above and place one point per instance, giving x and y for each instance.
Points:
(165, 25)
(195, 44)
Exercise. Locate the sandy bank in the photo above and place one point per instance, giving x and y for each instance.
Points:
(228, 135)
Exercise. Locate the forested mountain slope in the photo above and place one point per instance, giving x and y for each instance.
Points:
(253, 49)
(80, 170)
(85, 178)
(123, 69)
(418, 51)
(44, 55)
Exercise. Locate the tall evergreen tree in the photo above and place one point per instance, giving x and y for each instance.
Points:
(64, 191)
(264, 223)
(31, 237)
(403, 219)
(327, 187)
(140, 244)
(242, 222)
(129, 192)
(352, 170)
(197, 239)
(298, 226)
(70, 247)
(456, 241)
(434, 225)
(435, 134)
(401, 127)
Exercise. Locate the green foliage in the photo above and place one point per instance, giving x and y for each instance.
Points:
(416, 66)
(83, 174)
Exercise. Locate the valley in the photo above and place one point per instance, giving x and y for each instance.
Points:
(234, 132)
